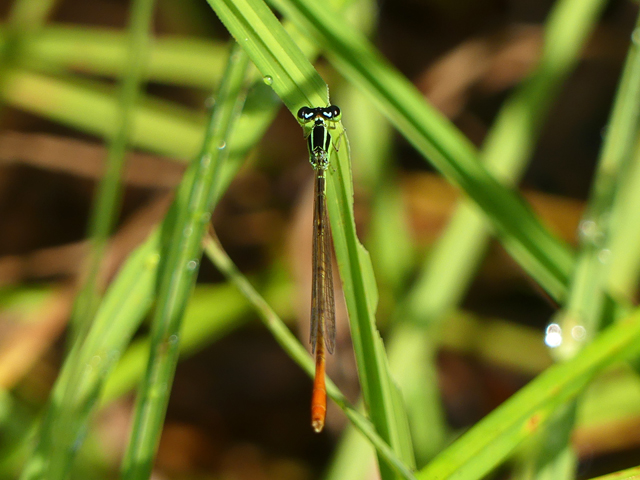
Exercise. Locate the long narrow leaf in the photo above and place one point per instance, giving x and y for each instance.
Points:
(181, 251)
(489, 442)
(296, 351)
(545, 257)
(297, 83)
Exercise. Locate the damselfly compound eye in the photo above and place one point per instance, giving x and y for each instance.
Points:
(305, 113)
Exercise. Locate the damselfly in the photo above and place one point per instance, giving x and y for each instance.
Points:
(323, 310)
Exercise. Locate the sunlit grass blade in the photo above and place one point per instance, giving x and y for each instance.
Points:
(589, 306)
(109, 192)
(488, 443)
(75, 392)
(63, 425)
(541, 254)
(157, 126)
(131, 293)
(625, 270)
(629, 474)
(298, 353)
(172, 60)
(181, 250)
(509, 145)
(212, 312)
(454, 259)
(298, 84)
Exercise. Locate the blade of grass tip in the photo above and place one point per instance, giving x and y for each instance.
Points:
(73, 399)
(108, 195)
(488, 443)
(297, 83)
(533, 246)
(181, 250)
(291, 345)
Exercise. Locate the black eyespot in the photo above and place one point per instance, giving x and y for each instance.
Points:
(335, 111)
(305, 113)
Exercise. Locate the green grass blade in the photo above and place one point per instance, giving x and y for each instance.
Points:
(121, 311)
(589, 305)
(297, 83)
(187, 62)
(89, 107)
(545, 257)
(298, 353)
(449, 269)
(127, 302)
(451, 265)
(213, 311)
(59, 458)
(181, 251)
(488, 443)
(107, 200)
(629, 474)
(625, 270)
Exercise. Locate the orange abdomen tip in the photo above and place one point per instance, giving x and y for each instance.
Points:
(319, 395)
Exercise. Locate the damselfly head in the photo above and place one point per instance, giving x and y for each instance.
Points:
(332, 112)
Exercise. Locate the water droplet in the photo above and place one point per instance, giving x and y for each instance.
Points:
(187, 231)
(635, 36)
(553, 335)
(205, 160)
(173, 339)
(604, 255)
(95, 360)
(590, 232)
(210, 102)
(222, 146)
(587, 228)
(191, 265)
(268, 79)
(205, 217)
(579, 333)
